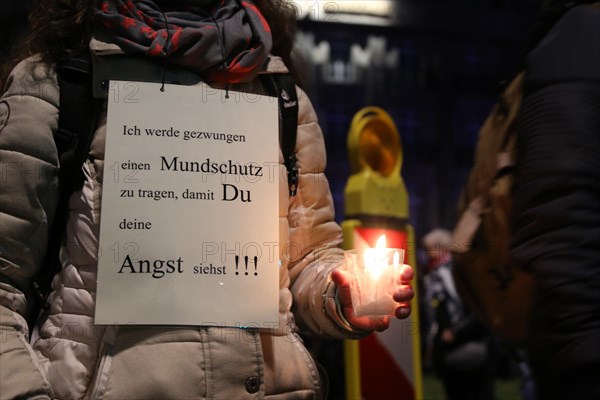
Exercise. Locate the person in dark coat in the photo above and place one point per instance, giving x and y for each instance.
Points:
(556, 212)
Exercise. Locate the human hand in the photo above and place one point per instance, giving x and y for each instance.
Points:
(402, 295)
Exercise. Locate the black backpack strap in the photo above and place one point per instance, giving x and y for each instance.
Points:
(78, 113)
(283, 87)
(77, 119)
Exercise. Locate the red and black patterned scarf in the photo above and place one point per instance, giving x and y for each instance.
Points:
(224, 40)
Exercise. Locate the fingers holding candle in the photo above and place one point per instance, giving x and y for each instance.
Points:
(342, 280)
(406, 274)
(404, 293)
(370, 294)
(374, 277)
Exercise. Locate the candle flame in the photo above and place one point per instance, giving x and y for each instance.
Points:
(375, 259)
(381, 242)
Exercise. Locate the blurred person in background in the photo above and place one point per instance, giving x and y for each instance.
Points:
(461, 347)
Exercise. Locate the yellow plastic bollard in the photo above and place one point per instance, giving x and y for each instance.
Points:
(376, 202)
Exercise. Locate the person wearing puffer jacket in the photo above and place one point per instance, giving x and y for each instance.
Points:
(74, 358)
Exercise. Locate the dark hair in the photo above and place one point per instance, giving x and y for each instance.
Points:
(61, 28)
(281, 15)
(57, 29)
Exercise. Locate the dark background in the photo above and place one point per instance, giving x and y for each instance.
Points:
(452, 59)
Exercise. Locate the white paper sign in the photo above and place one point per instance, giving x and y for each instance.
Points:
(189, 231)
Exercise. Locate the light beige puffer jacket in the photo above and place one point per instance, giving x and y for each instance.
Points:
(75, 359)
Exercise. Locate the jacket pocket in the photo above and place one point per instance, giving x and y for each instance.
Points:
(152, 363)
(295, 373)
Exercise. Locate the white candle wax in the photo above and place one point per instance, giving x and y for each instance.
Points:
(381, 307)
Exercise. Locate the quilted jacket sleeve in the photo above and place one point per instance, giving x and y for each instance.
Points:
(315, 236)
(28, 195)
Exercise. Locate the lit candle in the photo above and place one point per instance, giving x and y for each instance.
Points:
(376, 271)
